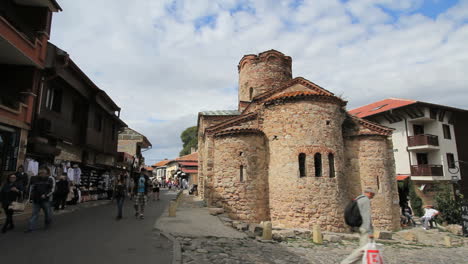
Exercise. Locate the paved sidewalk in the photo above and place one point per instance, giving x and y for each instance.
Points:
(194, 220)
(204, 238)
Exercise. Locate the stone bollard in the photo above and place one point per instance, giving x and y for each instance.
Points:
(317, 235)
(448, 241)
(267, 231)
(172, 208)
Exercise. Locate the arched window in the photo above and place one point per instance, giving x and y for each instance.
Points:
(241, 173)
(251, 93)
(331, 165)
(318, 164)
(302, 165)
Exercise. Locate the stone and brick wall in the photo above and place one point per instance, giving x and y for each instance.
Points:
(369, 163)
(240, 180)
(309, 128)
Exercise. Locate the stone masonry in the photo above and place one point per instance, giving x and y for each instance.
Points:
(293, 156)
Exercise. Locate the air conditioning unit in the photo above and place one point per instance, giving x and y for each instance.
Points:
(44, 125)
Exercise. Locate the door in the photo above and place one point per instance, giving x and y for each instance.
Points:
(418, 129)
(422, 158)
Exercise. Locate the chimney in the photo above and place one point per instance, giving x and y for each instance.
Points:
(192, 150)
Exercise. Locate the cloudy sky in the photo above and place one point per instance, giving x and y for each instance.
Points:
(163, 61)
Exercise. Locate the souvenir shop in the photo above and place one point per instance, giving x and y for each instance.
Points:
(88, 183)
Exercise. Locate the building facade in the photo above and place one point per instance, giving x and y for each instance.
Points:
(75, 120)
(24, 32)
(428, 141)
(160, 170)
(291, 153)
(132, 143)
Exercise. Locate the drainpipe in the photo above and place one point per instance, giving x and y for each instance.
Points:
(407, 134)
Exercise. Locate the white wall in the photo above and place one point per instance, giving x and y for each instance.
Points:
(400, 143)
(433, 127)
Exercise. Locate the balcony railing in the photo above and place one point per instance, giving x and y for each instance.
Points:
(427, 170)
(421, 140)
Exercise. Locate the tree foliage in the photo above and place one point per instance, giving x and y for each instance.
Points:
(189, 139)
(450, 208)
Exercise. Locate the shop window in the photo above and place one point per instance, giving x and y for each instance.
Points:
(302, 165)
(54, 99)
(241, 173)
(447, 134)
(9, 148)
(451, 160)
(318, 164)
(331, 165)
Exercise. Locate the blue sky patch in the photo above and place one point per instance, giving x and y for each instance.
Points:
(205, 21)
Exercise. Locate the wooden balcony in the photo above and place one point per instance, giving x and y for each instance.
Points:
(427, 170)
(20, 48)
(421, 142)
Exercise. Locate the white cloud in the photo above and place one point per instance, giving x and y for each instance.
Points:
(157, 65)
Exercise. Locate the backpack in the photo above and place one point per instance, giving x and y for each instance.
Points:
(352, 215)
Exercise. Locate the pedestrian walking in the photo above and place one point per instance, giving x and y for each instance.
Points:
(365, 229)
(10, 192)
(142, 184)
(41, 191)
(156, 190)
(119, 192)
(61, 192)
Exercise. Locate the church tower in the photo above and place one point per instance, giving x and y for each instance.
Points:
(258, 73)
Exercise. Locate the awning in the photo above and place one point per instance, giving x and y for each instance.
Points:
(401, 177)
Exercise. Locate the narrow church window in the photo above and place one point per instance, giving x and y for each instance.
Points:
(378, 183)
(318, 164)
(251, 93)
(302, 165)
(241, 153)
(241, 173)
(331, 165)
(328, 122)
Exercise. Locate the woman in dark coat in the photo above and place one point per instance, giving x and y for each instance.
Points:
(9, 193)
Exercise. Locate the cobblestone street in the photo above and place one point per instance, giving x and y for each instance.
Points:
(249, 251)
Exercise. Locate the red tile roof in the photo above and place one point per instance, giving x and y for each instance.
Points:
(161, 163)
(188, 164)
(380, 106)
(191, 171)
(149, 168)
(189, 157)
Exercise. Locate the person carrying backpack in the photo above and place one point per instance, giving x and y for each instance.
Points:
(142, 185)
(358, 214)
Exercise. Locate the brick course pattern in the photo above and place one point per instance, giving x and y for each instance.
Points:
(249, 164)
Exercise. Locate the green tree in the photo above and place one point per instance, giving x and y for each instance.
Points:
(450, 209)
(189, 139)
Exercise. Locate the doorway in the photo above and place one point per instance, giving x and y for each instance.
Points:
(418, 129)
(422, 158)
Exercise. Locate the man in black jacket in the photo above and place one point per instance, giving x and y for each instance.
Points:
(41, 191)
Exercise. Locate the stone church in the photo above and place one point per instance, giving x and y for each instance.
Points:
(292, 154)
